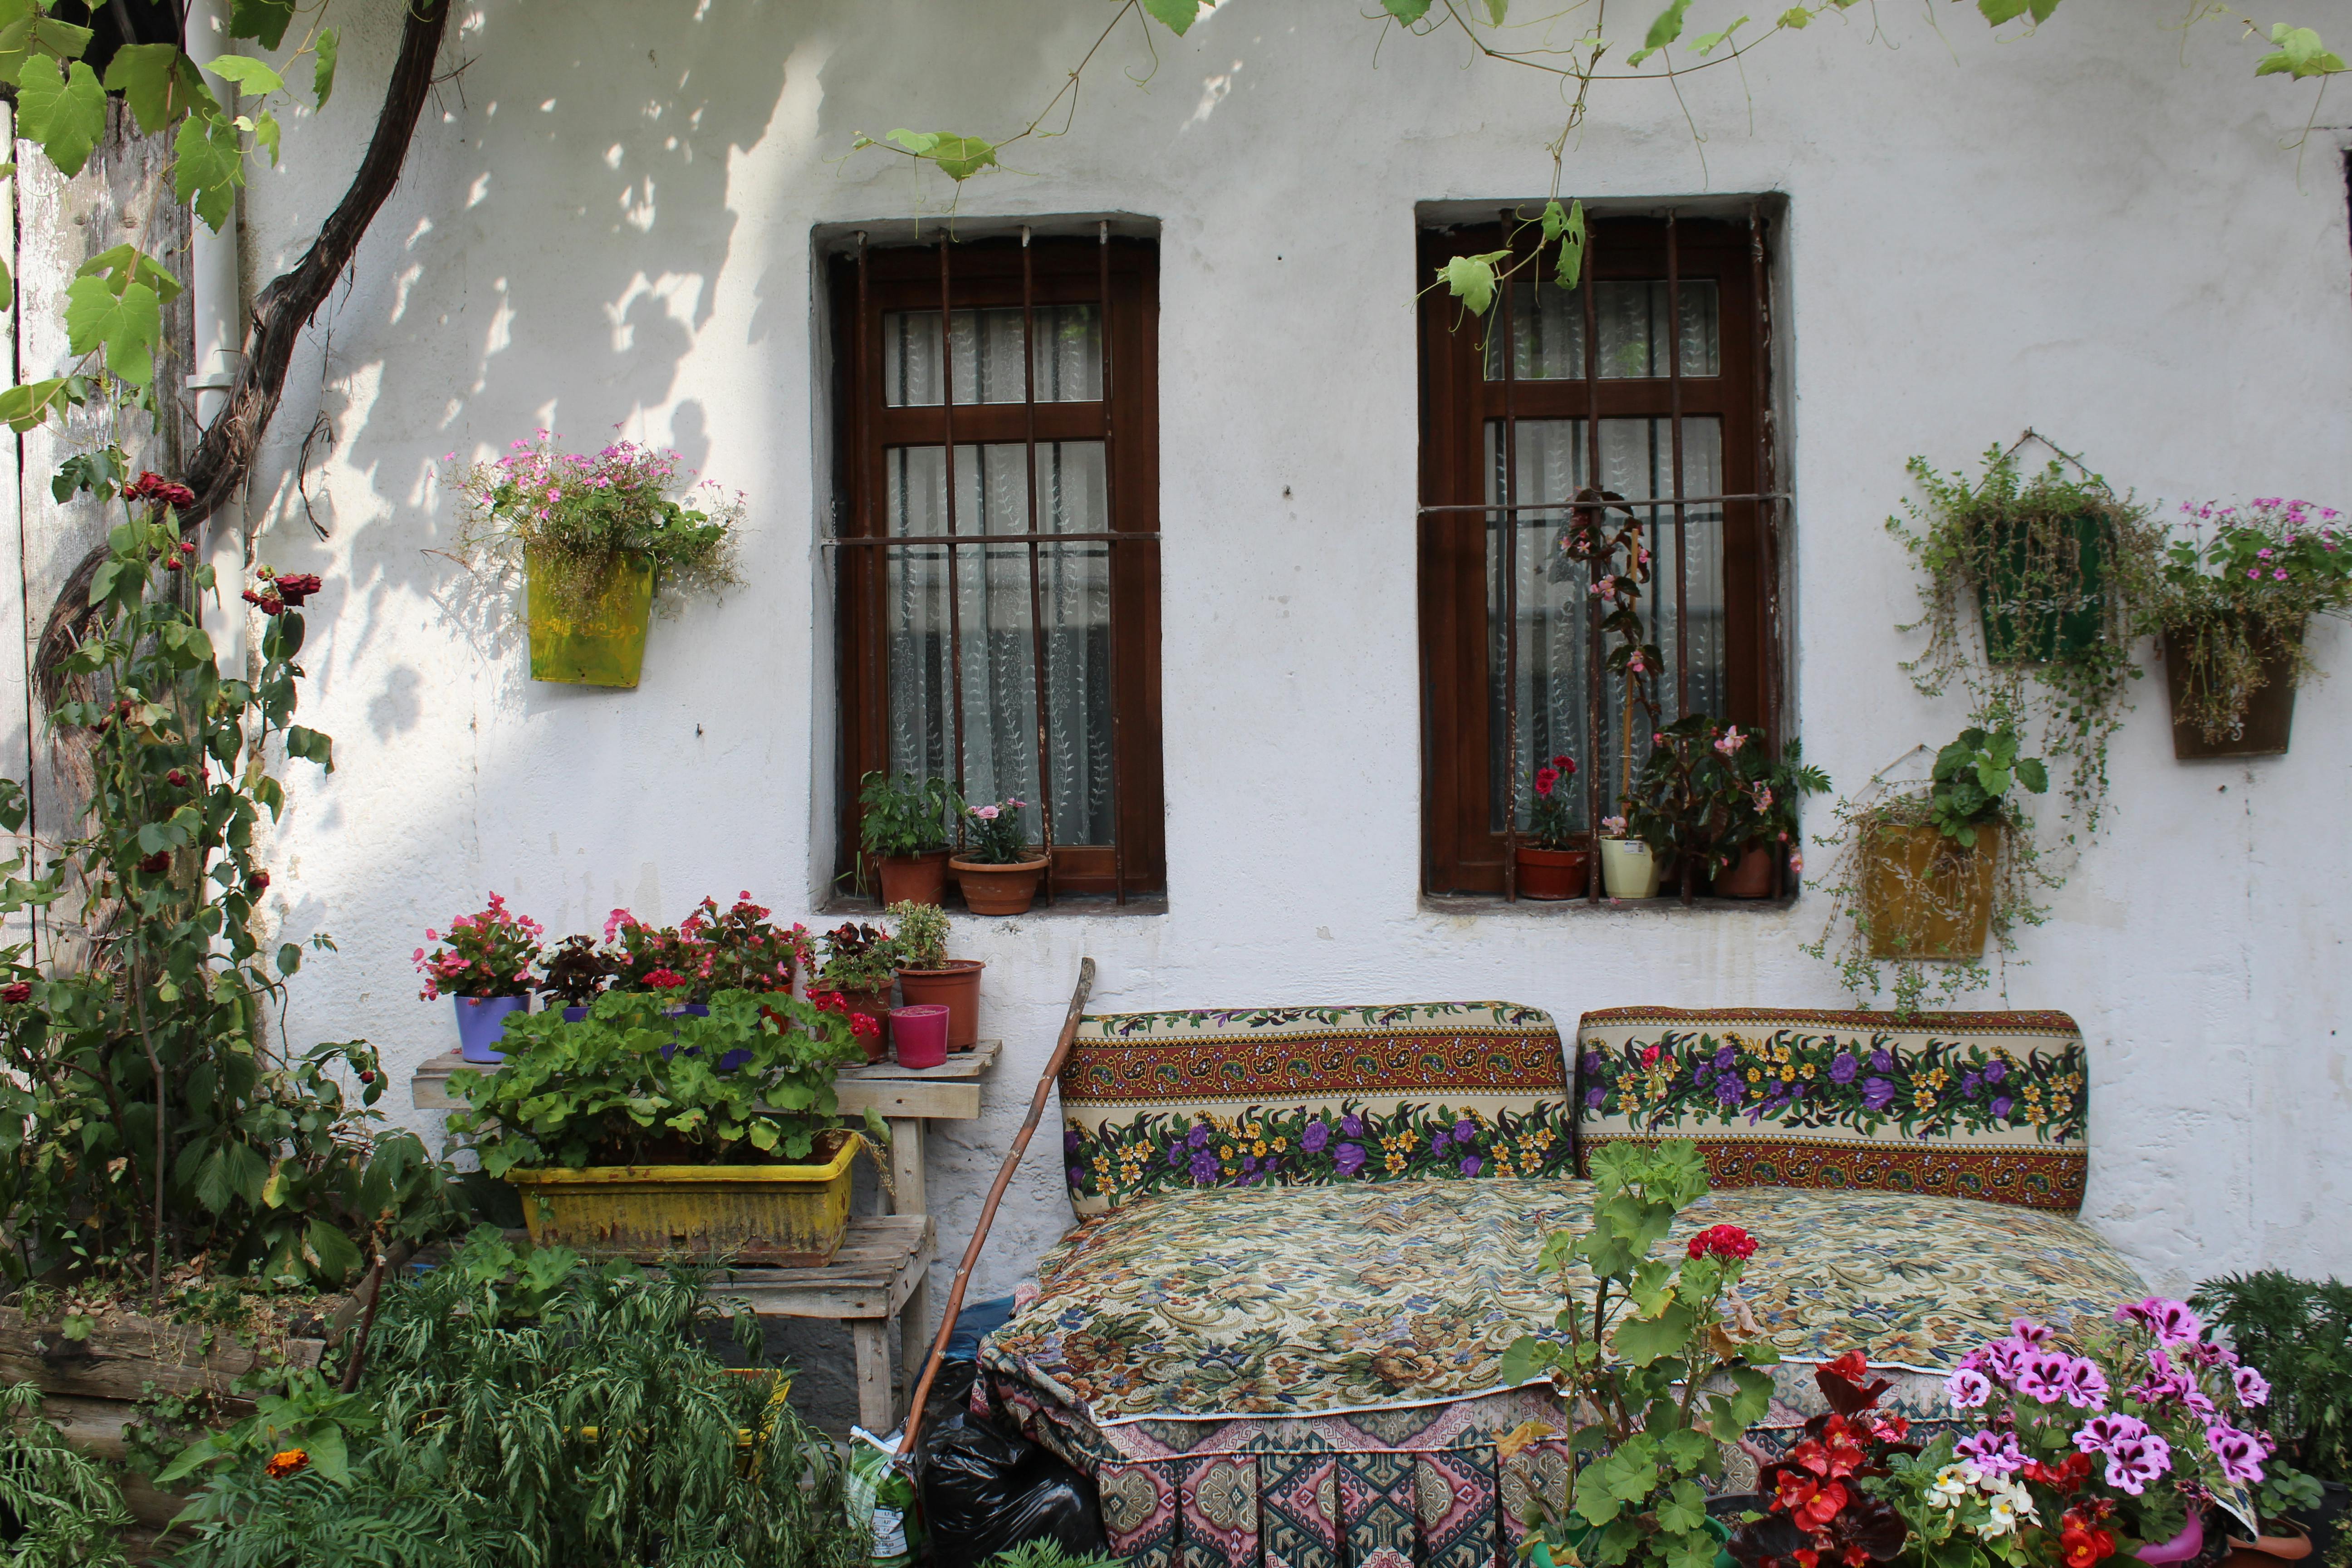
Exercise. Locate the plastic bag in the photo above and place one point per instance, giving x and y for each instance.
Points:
(984, 1492)
(878, 1496)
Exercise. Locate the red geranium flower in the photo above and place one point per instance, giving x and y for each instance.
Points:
(1724, 1241)
(664, 980)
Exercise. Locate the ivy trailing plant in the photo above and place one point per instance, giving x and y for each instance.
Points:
(1889, 920)
(2054, 566)
(146, 1117)
(521, 1406)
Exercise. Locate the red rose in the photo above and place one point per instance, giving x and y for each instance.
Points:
(21, 991)
(1566, 764)
(297, 588)
(177, 779)
(269, 604)
(255, 884)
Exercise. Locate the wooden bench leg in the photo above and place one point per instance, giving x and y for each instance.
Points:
(914, 1327)
(871, 1337)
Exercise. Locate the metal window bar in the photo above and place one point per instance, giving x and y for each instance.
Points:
(954, 542)
(1765, 498)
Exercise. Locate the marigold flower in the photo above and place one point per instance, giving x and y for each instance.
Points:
(284, 1462)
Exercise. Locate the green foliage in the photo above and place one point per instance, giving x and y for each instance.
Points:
(524, 1410)
(2299, 1332)
(2299, 54)
(959, 157)
(858, 957)
(902, 814)
(923, 939)
(145, 1116)
(1970, 783)
(71, 1513)
(1638, 1360)
(638, 1083)
(1050, 1553)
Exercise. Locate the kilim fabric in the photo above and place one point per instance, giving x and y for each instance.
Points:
(1157, 1102)
(1991, 1106)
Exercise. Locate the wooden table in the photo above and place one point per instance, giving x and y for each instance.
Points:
(880, 1281)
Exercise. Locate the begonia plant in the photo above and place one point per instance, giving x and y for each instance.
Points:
(487, 954)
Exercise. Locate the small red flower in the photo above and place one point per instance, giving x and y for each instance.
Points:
(1724, 1241)
(154, 487)
(22, 990)
(284, 1462)
(664, 980)
(269, 604)
(1566, 764)
(1817, 1510)
(1792, 1490)
(366, 1076)
(159, 861)
(297, 588)
(255, 884)
(1545, 779)
(177, 779)
(171, 563)
(187, 547)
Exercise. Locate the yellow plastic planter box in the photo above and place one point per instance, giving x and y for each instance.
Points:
(770, 1216)
(606, 645)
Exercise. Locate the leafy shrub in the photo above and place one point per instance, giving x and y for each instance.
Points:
(2299, 1332)
(61, 1505)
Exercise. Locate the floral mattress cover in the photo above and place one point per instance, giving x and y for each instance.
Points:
(1314, 1301)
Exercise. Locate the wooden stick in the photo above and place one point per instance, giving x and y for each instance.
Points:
(988, 1210)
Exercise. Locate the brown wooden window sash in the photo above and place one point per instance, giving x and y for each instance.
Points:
(1487, 413)
(1065, 592)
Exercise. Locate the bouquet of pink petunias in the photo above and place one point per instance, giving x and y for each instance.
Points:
(485, 954)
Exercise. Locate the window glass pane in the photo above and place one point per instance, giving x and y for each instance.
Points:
(992, 605)
(1068, 355)
(1546, 331)
(1553, 630)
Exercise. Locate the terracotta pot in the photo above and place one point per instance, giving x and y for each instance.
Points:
(2290, 1543)
(1628, 868)
(2264, 728)
(956, 988)
(999, 889)
(913, 878)
(874, 1004)
(1553, 874)
(1750, 877)
(1925, 895)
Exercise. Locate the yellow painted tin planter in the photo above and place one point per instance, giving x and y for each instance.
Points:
(606, 644)
(774, 1217)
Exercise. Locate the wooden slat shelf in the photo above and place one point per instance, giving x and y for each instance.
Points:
(950, 1092)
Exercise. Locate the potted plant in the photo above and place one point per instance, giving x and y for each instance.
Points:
(998, 869)
(1628, 868)
(903, 824)
(619, 1146)
(1760, 817)
(928, 975)
(597, 537)
(574, 973)
(859, 966)
(484, 963)
(1931, 861)
(2299, 1332)
(2229, 611)
(1630, 1366)
(1554, 860)
(746, 952)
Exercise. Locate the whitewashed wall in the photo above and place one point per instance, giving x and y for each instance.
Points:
(606, 224)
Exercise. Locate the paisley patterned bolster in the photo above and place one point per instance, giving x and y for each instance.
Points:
(1309, 1300)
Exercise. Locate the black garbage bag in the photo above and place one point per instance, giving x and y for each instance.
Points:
(984, 1492)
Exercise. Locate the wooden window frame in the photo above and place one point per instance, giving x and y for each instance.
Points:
(867, 282)
(1462, 853)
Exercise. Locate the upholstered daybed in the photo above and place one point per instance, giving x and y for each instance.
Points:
(1307, 1235)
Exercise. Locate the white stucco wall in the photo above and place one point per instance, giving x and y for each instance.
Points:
(607, 224)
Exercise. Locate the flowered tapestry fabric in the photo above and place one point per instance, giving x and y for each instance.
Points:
(1157, 1102)
(1309, 1375)
(1976, 1105)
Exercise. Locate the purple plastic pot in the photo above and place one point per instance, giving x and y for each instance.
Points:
(920, 1035)
(482, 1024)
(573, 1015)
(727, 1063)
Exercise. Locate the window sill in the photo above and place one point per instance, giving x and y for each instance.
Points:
(1068, 907)
(1484, 904)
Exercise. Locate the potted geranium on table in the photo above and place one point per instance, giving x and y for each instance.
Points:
(2229, 611)
(1553, 860)
(998, 869)
(485, 963)
(597, 536)
(903, 825)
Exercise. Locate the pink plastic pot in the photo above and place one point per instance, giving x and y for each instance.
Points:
(920, 1035)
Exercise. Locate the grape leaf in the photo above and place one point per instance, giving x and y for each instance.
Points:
(1178, 14)
(263, 21)
(249, 74)
(2300, 53)
(126, 264)
(322, 76)
(207, 166)
(1471, 280)
(147, 77)
(128, 325)
(1406, 11)
(63, 108)
(1664, 30)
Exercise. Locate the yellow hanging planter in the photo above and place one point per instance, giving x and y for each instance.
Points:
(595, 637)
(774, 1217)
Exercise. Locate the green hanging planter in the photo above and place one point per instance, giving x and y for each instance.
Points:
(2022, 625)
(594, 637)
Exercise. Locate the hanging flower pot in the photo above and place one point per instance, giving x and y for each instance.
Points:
(1926, 895)
(2036, 604)
(1553, 874)
(1629, 869)
(2265, 714)
(588, 616)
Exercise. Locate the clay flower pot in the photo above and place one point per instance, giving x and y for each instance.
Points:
(2281, 1540)
(1750, 877)
(873, 1006)
(1553, 874)
(999, 889)
(956, 988)
(913, 878)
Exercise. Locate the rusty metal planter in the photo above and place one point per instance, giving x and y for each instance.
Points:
(778, 1216)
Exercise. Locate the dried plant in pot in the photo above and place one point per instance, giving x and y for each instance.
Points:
(1554, 861)
(903, 826)
(926, 976)
(2230, 608)
(999, 870)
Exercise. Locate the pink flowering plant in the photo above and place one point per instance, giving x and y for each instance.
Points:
(2085, 1452)
(2234, 596)
(577, 514)
(1551, 813)
(996, 836)
(488, 953)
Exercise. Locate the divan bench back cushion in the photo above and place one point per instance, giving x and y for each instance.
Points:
(1155, 1102)
(1969, 1104)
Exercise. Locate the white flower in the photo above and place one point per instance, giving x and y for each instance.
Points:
(2005, 1517)
(1953, 1482)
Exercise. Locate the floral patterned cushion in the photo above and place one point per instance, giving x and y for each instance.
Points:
(1977, 1105)
(1156, 1102)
